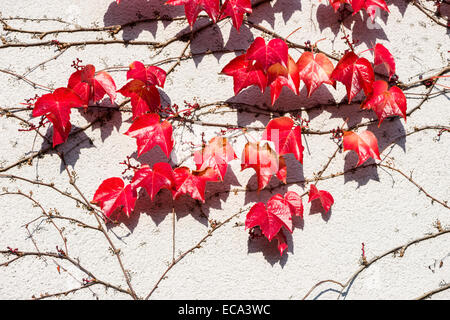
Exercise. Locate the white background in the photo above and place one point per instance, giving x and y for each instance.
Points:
(375, 206)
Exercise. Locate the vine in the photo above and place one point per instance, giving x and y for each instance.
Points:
(154, 121)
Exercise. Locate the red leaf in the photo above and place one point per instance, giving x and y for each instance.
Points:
(193, 182)
(294, 201)
(282, 244)
(325, 197)
(264, 161)
(113, 194)
(269, 222)
(236, 9)
(365, 145)
(193, 7)
(286, 137)
(356, 73)
(337, 3)
(149, 132)
(278, 213)
(245, 73)
(315, 70)
(56, 107)
(143, 98)
(370, 6)
(151, 76)
(215, 155)
(153, 180)
(90, 86)
(276, 51)
(60, 133)
(383, 56)
(280, 76)
(386, 102)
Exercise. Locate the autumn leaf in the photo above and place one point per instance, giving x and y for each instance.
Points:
(337, 3)
(143, 98)
(193, 183)
(91, 86)
(286, 137)
(268, 221)
(386, 102)
(60, 133)
(245, 73)
(149, 132)
(355, 73)
(326, 199)
(383, 56)
(315, 70)
(151, 75)
(364, 144)
(56, 108)
(193, 7)
(276, 51)
(216, 154)
(236, 9)
(265, 162)
(278, 213)
(370, 6)
(294, 201)
(113, 194)
(154, 179)
(282, 243)
(280, 76)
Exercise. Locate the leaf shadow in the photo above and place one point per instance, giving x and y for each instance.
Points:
(138, 10)
(316, 208)
(270, 249)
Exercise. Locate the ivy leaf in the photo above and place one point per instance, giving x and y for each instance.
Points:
(149, 132)
(193, 7)
(151, 75)
(113, 194)
(286, 137)
(355, 73)
(326, 199)
(91, 86)
(276, 51)
(193, 182)
(294, 201)
(56, 108)
(386, 102)
(315, 70)
(245, 73)
(153, 180)
(60, 133)
(236, 9)
(337, 3)
(383, 56)
(278, 213)
(280, 76)
(268, 221)
(365, 145)
(370, 6)
(216, 154)
(265, 162)
(143, 98)
(282, 243)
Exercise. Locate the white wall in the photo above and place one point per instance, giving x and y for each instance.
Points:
(375, 206)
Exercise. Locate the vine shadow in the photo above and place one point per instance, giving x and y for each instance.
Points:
(139, 10)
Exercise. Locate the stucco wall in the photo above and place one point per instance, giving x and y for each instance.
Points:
(374, 205)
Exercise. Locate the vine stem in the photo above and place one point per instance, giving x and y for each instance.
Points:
(402, 249)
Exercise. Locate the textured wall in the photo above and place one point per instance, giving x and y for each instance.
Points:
(374, 205)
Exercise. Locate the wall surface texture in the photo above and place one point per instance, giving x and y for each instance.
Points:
(374, 205)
